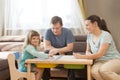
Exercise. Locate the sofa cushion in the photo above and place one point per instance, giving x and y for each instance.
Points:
(79, 47)
(4, 74)
(12, 39)
(3, 64)
(80, 43)
(12, 46)
(80, 38)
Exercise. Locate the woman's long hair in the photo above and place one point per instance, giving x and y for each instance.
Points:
(101, 22)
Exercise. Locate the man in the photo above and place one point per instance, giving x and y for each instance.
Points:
(58, 40)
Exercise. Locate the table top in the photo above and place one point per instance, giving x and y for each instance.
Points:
(63, 59)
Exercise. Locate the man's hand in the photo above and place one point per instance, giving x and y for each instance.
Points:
(53, 51)
(50, 55)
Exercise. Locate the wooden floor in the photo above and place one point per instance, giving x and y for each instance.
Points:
(58, 79)
(66, 79)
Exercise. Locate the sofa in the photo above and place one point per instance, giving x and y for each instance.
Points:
(14, 43)
(8, 43)
(4, 70)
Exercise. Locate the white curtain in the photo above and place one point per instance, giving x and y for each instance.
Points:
(23, 15)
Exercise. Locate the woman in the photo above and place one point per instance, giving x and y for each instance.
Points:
(101, 48)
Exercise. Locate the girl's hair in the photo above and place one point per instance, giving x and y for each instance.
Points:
(101, 22)
(29, 36)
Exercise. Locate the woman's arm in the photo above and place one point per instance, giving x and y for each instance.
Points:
(88, 51)
(102, 50)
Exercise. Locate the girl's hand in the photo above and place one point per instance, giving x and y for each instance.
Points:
(25, 64)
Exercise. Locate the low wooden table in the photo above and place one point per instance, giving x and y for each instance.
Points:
(66, 59)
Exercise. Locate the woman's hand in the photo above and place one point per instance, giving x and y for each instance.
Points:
(77, 55)
(88, 53)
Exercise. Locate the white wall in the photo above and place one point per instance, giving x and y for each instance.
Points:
(110, 11)
(1, 14)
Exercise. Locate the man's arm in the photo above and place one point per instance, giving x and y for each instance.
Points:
(47, 45)
(53, 50)
(67, 48)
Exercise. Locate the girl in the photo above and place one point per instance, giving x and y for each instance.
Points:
(30, 51)
(101, 48)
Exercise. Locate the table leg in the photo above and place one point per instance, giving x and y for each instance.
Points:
(28, 71)
(89, 72)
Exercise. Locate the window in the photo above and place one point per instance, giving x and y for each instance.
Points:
(36, 14)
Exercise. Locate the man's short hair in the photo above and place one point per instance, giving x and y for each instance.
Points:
(56, 19)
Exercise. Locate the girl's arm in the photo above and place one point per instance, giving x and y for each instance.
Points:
(36, 53)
